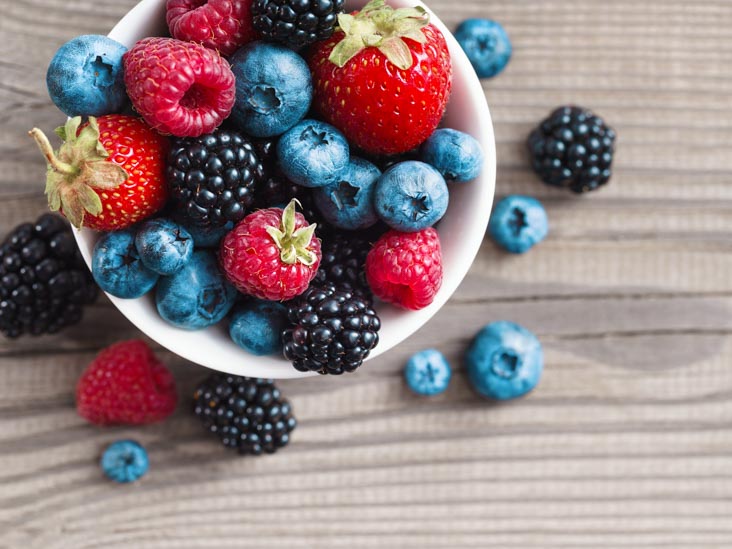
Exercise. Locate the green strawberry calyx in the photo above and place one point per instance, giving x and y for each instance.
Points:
(380, 26)
(77, 168)
(294, 244)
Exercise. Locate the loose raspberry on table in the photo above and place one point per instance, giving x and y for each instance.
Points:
(126, 384)
(405, 269)
(179, 88)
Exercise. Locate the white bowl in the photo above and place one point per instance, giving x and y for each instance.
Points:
(461, 230)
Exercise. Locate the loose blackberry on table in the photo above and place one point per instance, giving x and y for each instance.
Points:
(296, 23)
(214, 178)
(334, 328)
(573, 148)
(44, 283)
(248, 415)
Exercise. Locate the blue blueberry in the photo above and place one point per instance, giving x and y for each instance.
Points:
(411, 196)
(164, 246)
(456, 155)
(256, 326)
(518, 223)
(204, 237)
(313, 154)
(274, 89)
(117, 267)
(197, 296)
(504, 361)
(428, 373)
(85, 76)
(349, 203)
(124, 461)
(486, 44)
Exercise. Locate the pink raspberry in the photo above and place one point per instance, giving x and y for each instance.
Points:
(406, 268)
(222, 25)
(179, 88)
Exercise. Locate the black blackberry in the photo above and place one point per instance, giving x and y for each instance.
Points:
(266, 150)
(44, 282)
(333, 330)
(343, 259)
(213, 178)
(247, 414)
(277, 191)
(573, 148)
(296, 23)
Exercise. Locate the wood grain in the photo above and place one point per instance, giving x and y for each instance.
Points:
(627, 441)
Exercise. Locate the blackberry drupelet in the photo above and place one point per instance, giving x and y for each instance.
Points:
(572, 148)
(247, 414)
(344, 259)
(266, 149)
(214, 178)
(296, 23)
(333, 330)
(44, 282)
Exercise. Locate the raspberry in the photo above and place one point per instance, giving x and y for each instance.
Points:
(406, 268)
(222, 25)
(126, 385)
(179, 88)
(271, 254)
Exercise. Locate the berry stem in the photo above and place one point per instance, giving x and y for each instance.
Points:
(45, 145)
(294, 245)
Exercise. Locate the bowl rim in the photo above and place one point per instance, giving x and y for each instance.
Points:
(186, 344)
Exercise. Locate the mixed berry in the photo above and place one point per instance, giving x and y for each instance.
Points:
(255, 172)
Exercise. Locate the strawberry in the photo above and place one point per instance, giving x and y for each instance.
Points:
(108, 174)
(384, 78)
(271, 254)
(126, 384)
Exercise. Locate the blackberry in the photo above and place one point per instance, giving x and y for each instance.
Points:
(214, 178)
(296, 23)
(277, 191)
(572, 148)
(44, 282)
(247, 414)
(344, 258)
(333, 330)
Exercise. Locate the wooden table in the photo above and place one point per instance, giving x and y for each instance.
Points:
(627, 441)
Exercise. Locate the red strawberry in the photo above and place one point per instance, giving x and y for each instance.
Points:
(384, 79)
(179, 88)
(222, 25)
(406, 268)
(271, 254)
(108, 174)
(126, 385)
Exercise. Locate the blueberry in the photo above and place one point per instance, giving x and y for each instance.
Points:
(456, 155)
(504, 361)
(85, 76)
(349, 203)
(518, 223)
(117, 268)
(486, 44)
(256, 326)
(411, 196)
(197, 296)
(428, 373)
(124, 461)
(164, 246)
(204, 237)
(313, 154)
(274, 89)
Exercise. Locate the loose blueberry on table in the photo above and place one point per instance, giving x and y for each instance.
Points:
(428, 373)
(125, 461)
(518, 223)
(504, 361)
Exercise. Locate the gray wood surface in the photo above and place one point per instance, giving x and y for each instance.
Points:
(627, 441)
